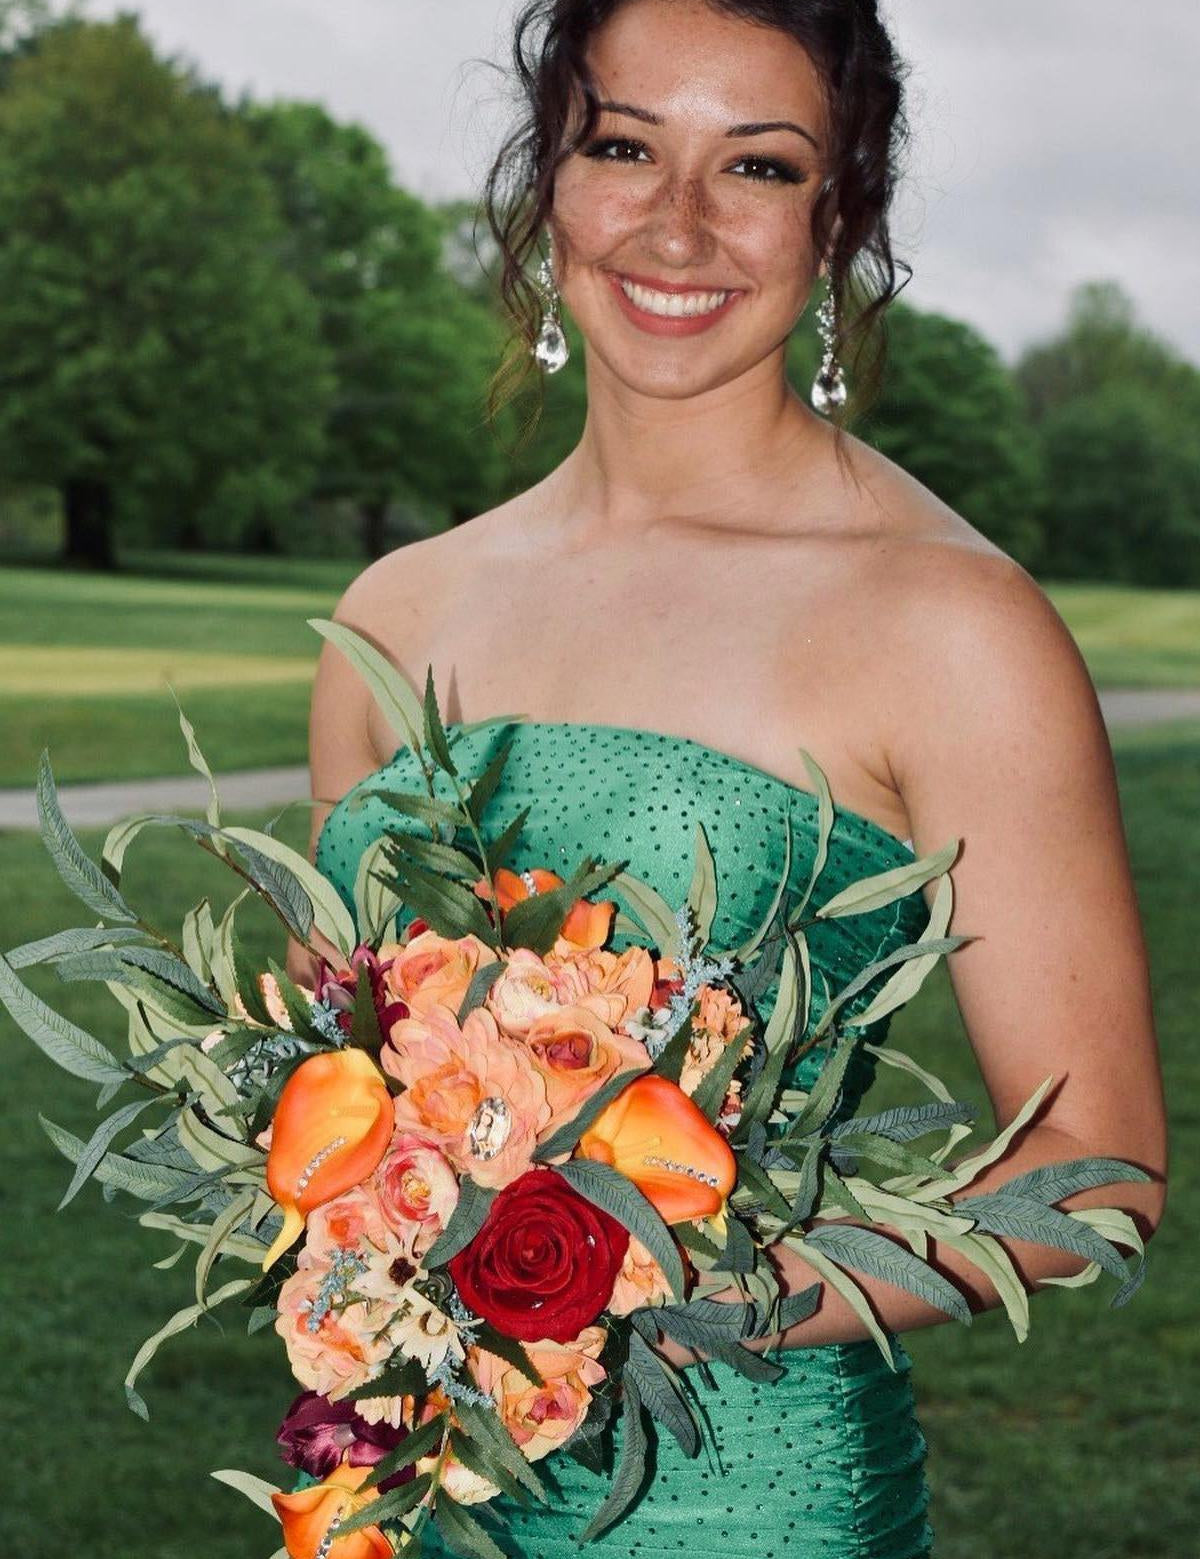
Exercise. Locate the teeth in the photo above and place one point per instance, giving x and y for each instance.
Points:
(672, 305)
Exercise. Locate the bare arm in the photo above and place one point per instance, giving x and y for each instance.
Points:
(1000, 742)
(340, 750)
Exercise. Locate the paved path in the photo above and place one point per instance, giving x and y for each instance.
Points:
(103, 804)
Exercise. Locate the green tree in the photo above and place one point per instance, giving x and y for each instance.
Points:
(950, 414)
(153, 349)
(1118, 414)
(410, 346)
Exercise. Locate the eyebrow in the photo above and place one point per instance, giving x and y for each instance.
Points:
(755, 127)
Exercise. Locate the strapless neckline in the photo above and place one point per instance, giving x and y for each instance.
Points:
(901, 847)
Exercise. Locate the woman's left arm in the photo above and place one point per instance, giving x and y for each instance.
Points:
(998, 739)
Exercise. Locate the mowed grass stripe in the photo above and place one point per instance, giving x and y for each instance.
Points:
(63, 671)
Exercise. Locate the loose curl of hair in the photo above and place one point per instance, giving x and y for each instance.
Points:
(863, 79)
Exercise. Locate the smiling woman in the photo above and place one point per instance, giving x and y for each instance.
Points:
(716, 576)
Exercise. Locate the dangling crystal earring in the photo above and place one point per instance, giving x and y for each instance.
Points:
(829, 387)
(550, 348)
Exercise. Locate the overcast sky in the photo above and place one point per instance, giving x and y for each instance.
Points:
(1055, 140)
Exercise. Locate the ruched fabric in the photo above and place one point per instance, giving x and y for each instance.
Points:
(827, 1462)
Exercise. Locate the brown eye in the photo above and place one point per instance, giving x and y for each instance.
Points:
(602, 149)
(776, 172)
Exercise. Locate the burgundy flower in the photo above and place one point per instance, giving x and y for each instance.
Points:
(336, 988)
(317, 1435)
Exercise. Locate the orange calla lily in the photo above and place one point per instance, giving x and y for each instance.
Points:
(586, 924)
(331, 1127)
(307, 1515)
(661, 1140)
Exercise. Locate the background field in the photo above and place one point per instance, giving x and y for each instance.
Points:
(84, 660)
(1081, 1442)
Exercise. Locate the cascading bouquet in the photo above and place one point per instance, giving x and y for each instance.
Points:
(488, 1162)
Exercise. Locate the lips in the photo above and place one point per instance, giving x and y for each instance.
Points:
(669, 324)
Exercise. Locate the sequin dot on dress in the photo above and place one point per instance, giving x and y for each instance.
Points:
(828, 1462)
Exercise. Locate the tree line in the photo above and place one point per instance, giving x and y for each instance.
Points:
(218, 320)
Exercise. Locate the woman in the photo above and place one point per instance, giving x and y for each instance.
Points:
(718, 575)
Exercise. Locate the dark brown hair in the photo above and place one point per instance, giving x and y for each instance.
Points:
(863, 79)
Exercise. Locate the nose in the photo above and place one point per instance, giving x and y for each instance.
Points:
(680, 233)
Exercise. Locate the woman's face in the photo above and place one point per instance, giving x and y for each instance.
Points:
(683, 194)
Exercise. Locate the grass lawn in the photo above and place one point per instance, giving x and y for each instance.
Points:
(1072, 1446)
(85, 661)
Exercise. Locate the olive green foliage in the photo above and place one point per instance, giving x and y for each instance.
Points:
(153, 350)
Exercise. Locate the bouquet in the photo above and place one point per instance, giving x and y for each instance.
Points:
(476, 1173)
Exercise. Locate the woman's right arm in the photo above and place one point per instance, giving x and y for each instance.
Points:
(340, 751)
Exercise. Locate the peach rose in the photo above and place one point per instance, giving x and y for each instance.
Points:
(470, 1089)
(597, 971)
(417, 1190)
(640, 1282)
(433, 969)
(524, 991)
(352, 1221)
(346, 1348)
(577, 1054)
(540, 1418)
(718, 1021)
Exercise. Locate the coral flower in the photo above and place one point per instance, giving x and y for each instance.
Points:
(331, 1127)
(586, 924)
(657, 1137)
(307, 1516)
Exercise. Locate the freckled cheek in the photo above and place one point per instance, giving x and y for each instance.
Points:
(591, 223)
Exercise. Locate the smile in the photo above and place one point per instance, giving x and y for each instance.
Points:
(671, 310)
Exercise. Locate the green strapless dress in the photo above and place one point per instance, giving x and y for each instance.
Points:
(828, 1461)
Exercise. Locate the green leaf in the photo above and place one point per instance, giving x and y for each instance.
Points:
(536, 921)
(475, 1459)
(374, 903)
(883, 1150)
(907, 1121)
(758, 1184)
(69, 1046)
(911, 975)
(568, 1134)
(750, 946)
(1051, 1182)
(246, 974)
(484, 788)
(64, 944)
(449, 908)
(656, 916)
(76, 868)
(850, 1291)
(397, 701)
(481, 983)
(329, 914)
(781, 1032)
(883, 888)
(702, 1322)
(470, 1211)
(740, 1253)
(911, 951)
(485, 1425)
(659, 1388)
(825, 1093)
(463, 1533)
(391, 1506)
(674, 1053)
(198, 762)
(618, 1196)
(878, 1256)
(702, 892)
(97, 1144)
(405, 1379)
(631, 1468)
(299, 1007)
(1025, 1218)
(429, 810)
(435, 856)
(223, 1226)
(179, 1322)
(824, 831)
(503, 845)
(364, 1019)
(143, 1180)
(421, 1442)
(257, 1490)
(435, 735)
(508, 1348)
(199, 935)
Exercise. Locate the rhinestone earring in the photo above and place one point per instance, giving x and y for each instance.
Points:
(829, 387)
(550, 348)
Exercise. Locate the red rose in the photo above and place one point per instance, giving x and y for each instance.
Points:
(544, 1262)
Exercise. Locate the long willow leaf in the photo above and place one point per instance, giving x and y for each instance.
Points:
(179, 1322)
